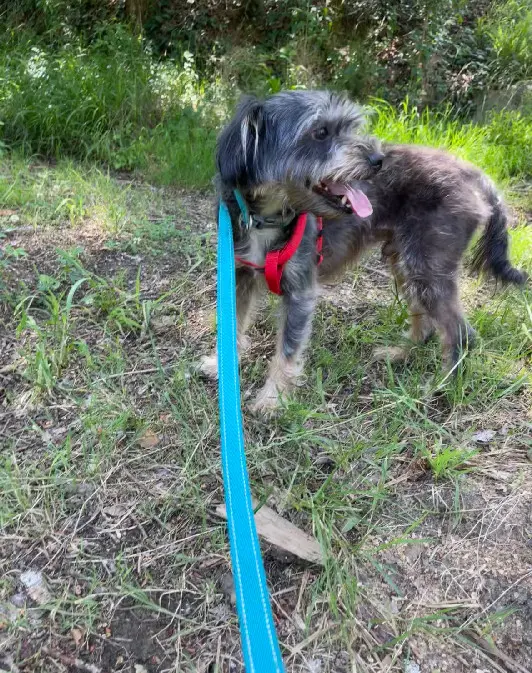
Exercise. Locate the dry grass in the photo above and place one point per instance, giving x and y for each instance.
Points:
(110, 459)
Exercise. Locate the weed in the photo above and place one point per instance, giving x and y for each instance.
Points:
(54, 342)
(446, 461)
(498, 147)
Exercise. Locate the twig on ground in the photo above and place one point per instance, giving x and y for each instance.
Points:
(135, 372)
(283, 534)
(372, 269)
(71, 662)
(488, 651)
(488, 607)
(304, 643)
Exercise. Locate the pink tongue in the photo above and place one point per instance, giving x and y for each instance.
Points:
(358, 200)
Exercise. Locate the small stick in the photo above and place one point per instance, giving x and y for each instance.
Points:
(282, 533)
(72, 662)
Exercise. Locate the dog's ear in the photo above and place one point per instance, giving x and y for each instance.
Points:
(238, 144)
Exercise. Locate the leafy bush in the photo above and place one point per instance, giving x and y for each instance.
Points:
(428, 50)
(74, 99)
(510, 28)
(500, 147)
(110, 93)
(109, 100)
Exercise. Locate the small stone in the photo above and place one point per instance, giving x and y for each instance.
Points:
(115, 511)
(18, 600)
(227, 586)
(36, 587)
(484, 436)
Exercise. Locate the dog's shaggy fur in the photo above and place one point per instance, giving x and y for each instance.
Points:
(427, 205)
(305, 152)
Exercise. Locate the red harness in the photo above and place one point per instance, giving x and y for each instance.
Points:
(276, 260)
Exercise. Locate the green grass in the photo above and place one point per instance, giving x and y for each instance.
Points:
(109, 468)
(499, 147)
(113, 441)
(111, 459)
(510, 28)
(110, 101)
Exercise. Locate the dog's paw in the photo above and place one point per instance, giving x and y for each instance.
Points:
(208, 366)
(391, 353)
(267, 401)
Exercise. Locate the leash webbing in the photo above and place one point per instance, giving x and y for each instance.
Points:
(259, 639)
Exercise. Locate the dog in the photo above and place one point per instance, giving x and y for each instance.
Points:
(306, 152)
(287, 155)
(427, 204)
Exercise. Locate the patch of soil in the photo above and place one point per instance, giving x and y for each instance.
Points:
(467, 562)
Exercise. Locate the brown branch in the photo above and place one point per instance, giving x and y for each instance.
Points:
(72, 662)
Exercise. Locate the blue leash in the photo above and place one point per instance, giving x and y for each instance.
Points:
(259, 640)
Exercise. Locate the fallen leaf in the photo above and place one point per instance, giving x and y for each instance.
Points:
(77, 636)
(115, 510)
(484, 436)
(149, 439)
(36, 587)
(7, 213)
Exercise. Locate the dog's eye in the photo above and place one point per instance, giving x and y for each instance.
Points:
(321, 134)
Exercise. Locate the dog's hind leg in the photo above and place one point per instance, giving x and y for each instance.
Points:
(287, 363)
(456, 333)
(421, 324)
(439, 297)
(246, 299)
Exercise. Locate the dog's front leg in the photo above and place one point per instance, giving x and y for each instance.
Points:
(287, 363)
(246, 296)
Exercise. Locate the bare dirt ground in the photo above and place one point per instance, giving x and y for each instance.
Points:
(111, 556)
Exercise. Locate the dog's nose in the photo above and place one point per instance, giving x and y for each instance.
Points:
(375, 160)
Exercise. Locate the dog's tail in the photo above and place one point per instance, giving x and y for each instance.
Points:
(490, 254)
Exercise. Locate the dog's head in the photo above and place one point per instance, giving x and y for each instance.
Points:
(299, 150)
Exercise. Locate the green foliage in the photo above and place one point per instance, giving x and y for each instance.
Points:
(500, 147)
(510, 28)
(447, 461)
(154, 100)
(49, 318)
(108, 101)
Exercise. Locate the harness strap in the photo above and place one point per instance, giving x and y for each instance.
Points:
(276, 260)
(319, 241)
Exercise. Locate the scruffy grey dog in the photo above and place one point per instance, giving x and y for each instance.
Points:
(291, 153)
(305, 151)
(427, 205)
